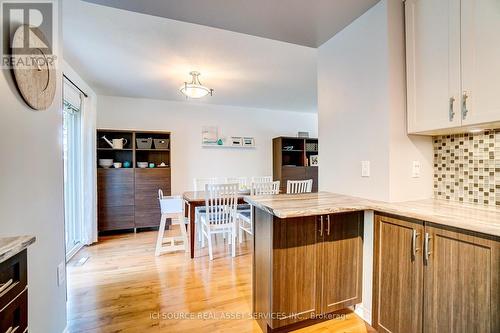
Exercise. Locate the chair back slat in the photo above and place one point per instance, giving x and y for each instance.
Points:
(299, 186)
(199, 183)
(221, 201)
(262, 179)
(265, 188)
(241, 181)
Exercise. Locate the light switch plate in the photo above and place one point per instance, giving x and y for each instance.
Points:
(61, 274)
(416, 168)
(365, 168)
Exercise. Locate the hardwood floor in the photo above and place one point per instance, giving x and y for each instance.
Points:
(123, 287)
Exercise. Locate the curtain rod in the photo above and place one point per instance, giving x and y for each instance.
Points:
(77, 87)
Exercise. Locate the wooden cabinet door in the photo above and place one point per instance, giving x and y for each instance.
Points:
(312, 173)
(480, 60)
(398, 276)
(433, 64)
(115, 199)
(147, 184)
(461, 290)
(295, 263)
(341, 254)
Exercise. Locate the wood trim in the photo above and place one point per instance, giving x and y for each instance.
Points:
(132, 130)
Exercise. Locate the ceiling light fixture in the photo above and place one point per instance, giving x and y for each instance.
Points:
(195, 89)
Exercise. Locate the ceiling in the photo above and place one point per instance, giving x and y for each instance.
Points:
(307, 23)
(124, 53)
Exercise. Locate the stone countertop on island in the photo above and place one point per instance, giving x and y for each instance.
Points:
(10, 246)
(477, 218)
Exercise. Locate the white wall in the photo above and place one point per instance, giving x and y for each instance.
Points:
(186, 119)
(361, 106)
(31, 197)
(361, 111)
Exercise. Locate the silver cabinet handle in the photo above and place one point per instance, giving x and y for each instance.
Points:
(427, 251)
(451, 112)
(464, 105)
(328, 225)
(321, 226)
(414, 248)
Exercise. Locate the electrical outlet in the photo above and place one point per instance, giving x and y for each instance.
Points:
(365, 168)
(61, 274)
(415, 171)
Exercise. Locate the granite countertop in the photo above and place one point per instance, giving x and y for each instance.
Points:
(477, 218)
(10, 246)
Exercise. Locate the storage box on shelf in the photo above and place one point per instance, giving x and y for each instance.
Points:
(127, 197)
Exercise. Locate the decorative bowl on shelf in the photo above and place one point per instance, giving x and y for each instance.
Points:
(117, 165)
(142, 165)
(105, 162)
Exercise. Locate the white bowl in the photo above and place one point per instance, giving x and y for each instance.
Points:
(106, 162)
(142, 165)
(117, 165)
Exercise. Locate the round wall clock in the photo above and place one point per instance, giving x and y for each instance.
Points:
(34, 68)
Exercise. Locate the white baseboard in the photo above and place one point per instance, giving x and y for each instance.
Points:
(363, 313)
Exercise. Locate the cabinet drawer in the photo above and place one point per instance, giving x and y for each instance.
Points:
(13, 278)
(116, 218)
(14, 316)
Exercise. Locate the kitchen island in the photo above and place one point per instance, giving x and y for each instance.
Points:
(309, 251)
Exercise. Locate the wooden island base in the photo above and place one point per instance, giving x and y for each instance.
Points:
(305, 267)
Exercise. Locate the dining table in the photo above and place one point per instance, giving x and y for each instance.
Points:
(195, 199)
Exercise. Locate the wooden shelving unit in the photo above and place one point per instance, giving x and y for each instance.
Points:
(294, 163)
(128, 197)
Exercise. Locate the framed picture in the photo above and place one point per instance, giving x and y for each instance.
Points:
(209, 135)
(248, 142)
(236, 141)
(313, 160)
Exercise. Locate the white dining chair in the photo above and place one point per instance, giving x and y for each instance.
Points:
(199, 185)
(262, 179)
(220, 214)
(241, 181)
(171, 207)
(245, 218)
(299, 186)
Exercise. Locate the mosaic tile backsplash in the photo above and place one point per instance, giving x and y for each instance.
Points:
(467, 167)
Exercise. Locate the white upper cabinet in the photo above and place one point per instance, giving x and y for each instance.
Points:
(453, 64)
(481, 61)
(433, 64)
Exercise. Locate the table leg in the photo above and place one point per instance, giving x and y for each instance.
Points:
(192, 233)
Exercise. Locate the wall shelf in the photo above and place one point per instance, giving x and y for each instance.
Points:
(227, 146)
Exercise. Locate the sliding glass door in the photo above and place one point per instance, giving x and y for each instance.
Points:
(72, 144)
